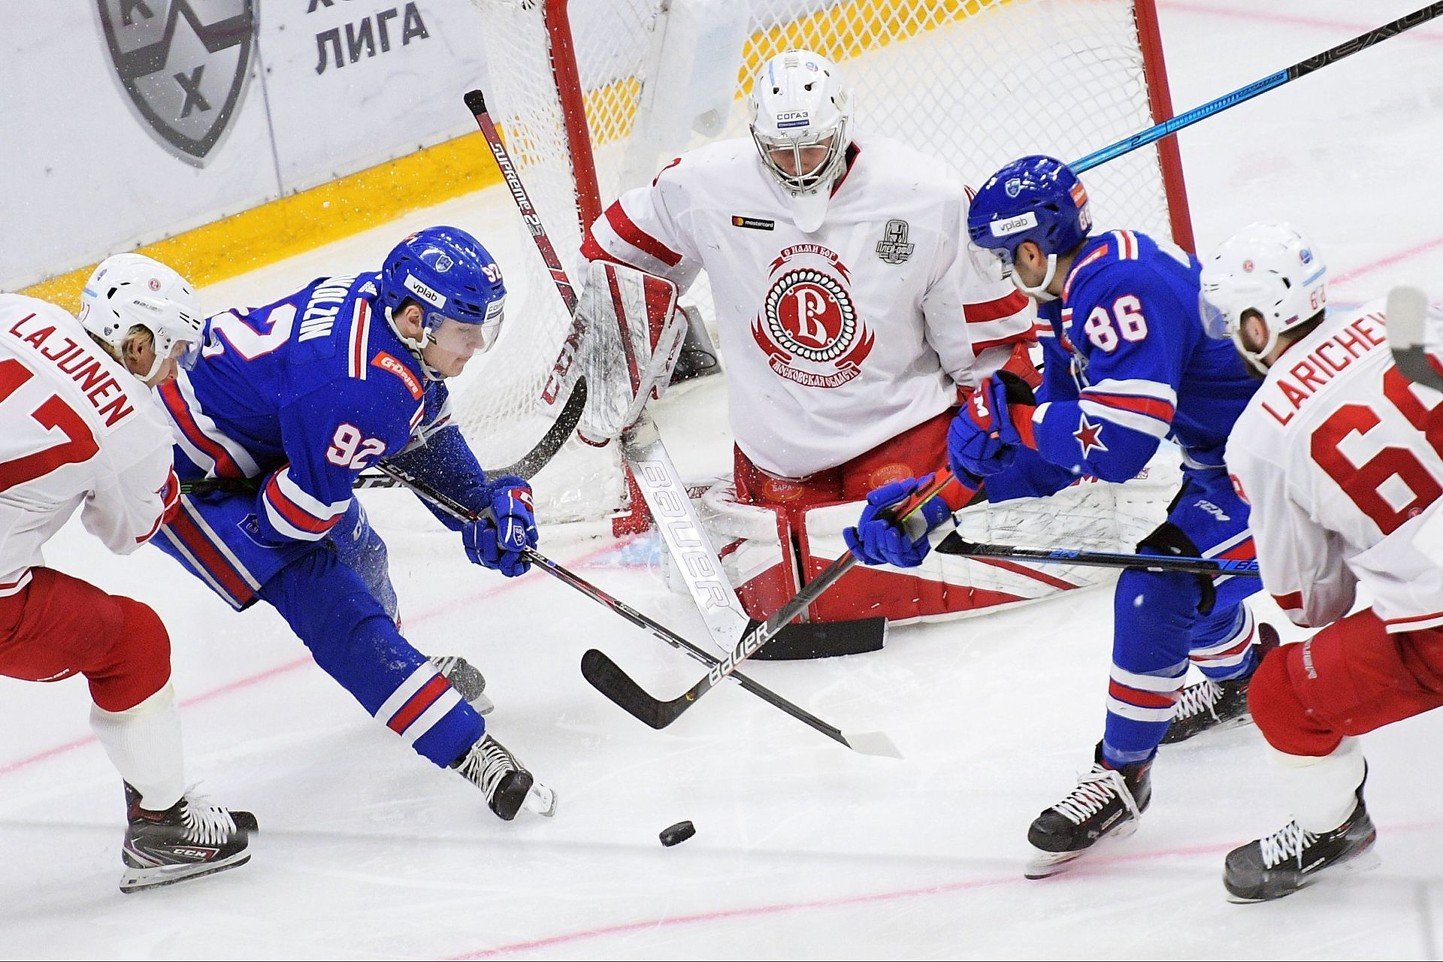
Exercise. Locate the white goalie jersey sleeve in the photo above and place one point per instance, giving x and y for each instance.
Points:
(1346, 486)
(839, 339)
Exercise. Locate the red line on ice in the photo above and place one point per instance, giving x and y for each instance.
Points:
(290, 666)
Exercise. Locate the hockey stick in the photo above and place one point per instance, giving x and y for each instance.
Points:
(641, 445)
(1300, 69)
(866, 743)
(1407, 314)
(955, 544)
(606, 677)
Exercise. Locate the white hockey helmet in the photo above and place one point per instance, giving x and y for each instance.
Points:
(1268, 268)
(798, 101)
(127, 290)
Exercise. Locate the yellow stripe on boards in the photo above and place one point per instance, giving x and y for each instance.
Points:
(310, 218)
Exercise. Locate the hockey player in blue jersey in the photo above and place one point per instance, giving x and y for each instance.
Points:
(288, 403)
(1127, 364)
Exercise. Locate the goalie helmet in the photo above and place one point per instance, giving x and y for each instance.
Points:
(132, 290)
(457, 285)
(1034, 198)
(1269, 268)
(798, 102)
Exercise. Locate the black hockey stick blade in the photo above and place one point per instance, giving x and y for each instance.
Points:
(607, 677)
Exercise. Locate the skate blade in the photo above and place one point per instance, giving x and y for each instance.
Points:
(540, 800)
(1228, 725)
(1364, 861)
(1044, 864)
(142, 879)
(482, 704)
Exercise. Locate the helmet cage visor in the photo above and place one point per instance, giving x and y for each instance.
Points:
(465, 338)
(800, 179)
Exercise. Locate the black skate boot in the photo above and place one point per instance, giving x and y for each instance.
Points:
(1216, 705)
(1291, 858)
(505, 782)
(1105, 804)
(467, 679)
(188, 840)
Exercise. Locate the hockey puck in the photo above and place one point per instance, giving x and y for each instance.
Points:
(679, 832)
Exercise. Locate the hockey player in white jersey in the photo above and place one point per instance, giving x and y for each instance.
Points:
(1341, 458)
(854, 314)
(79, 430)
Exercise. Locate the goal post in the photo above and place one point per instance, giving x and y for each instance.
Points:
(594, 96)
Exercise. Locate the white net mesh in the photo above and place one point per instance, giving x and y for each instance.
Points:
(977, 82)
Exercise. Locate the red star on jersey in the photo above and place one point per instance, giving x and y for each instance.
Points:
(1089, 435)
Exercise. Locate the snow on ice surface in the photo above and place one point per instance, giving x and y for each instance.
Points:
(802, 848)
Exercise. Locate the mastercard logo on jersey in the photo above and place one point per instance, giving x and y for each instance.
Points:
(753, 223)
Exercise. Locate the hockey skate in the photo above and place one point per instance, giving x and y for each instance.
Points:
(1217, 705)
(1106, 803)
(467, 679)
(504, 781)
(188, 840)
(1292, 858)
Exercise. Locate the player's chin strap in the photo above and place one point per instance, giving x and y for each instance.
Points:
(416, 347)
(1040, 292)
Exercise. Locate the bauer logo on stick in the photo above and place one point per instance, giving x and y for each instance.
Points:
(183, 63)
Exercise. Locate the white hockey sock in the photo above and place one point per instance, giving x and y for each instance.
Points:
(1320, 790)
(144, 746)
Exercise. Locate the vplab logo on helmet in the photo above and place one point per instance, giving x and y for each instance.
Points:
(183, 63)
(425, 293)
(1011, 225)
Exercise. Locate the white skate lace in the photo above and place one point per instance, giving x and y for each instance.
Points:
(1094, 790)
(1286, 844)
(491, 763)
(1197, 699)
(206, 824)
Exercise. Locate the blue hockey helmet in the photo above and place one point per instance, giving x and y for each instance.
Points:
(456, 283)
(1034, 198)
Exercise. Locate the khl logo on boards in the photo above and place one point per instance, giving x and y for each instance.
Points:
(183, 64)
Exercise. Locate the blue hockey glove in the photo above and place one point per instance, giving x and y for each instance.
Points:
(997, 420)
(506, 528)
(879, 538)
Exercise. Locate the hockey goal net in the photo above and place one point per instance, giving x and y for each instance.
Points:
(594, 96)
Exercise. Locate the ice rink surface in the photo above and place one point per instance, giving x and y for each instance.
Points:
(803, 850)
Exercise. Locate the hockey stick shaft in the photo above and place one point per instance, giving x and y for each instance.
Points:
(1300, 69)
(462, 513)
(1407, 315)
(955, 544)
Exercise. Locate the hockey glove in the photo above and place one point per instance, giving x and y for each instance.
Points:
(879, 538)
(508, 527)
(992, 425)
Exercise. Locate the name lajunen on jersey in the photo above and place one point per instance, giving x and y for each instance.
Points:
(77, 362)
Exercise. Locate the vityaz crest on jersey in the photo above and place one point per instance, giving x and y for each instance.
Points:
(809, 326)
(183, 63)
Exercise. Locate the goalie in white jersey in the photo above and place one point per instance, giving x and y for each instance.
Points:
(1339, 455)
(854, 313)
(79, 430)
